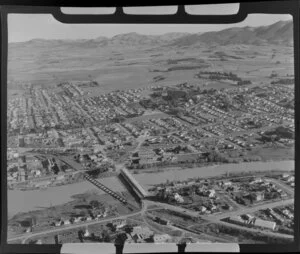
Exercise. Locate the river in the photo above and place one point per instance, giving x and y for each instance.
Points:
(23, 201)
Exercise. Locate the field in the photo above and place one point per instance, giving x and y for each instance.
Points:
(139, 68)
(274, 153)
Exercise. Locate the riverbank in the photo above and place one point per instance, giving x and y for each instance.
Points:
(149, 179)
(80, 205)
(24, 201)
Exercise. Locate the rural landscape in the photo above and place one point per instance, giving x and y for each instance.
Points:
(152, 138)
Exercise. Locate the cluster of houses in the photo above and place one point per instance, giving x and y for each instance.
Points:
(33, 113)
(142, 234)
(243, 191)
(79, 219)
(289, 179)
(208, 201)
(138, 233)
(259, 189)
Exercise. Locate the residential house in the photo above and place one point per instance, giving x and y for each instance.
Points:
(119, 223)
(178, 198)
(161, 238)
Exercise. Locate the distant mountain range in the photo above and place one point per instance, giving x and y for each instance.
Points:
(278, 33)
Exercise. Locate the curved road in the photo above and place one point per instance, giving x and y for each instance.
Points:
(213, 219)
(209, 218)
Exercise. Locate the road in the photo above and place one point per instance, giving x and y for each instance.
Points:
(254, 209)
(83, 224)
(214, 218)
(196, 235)
(73, 164)
(140, 140)
(211, 218)
(217, 218)
(223, 215)
(70, 227)
(79, 168)
(258, 231)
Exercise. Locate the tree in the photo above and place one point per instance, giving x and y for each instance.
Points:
(95, 204)
(251, 199)
(80, 235)
(121, 238)
(110, 225)
(128, 229)
(105, 236)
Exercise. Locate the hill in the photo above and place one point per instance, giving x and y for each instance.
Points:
(278, 33)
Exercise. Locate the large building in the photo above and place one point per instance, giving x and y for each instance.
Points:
(265, 224)
(246, 219)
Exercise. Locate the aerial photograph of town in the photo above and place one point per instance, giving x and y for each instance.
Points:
(150, 133)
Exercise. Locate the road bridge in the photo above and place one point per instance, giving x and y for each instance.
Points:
(132, 182)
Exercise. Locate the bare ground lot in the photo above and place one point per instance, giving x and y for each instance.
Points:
(274, 153)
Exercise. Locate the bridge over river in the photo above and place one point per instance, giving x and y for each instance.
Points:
(127, 178)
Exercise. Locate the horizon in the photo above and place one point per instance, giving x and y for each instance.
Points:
(61, 31)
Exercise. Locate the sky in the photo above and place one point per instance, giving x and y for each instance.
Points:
(24, 27)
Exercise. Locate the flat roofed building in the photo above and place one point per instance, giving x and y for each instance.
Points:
(265, 224)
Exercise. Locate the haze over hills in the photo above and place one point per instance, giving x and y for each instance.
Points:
(278, 33)
(132, 59)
